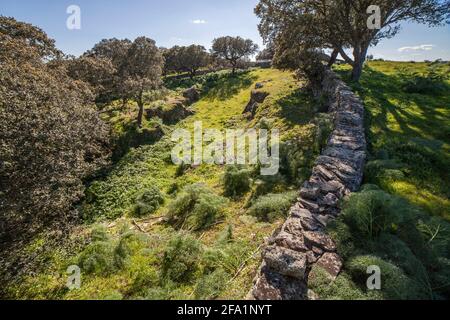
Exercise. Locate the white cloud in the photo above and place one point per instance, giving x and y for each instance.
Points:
(422, 47)
(199, 21)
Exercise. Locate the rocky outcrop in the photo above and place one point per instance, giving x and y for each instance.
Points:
(257, 97)
(302, 241)
(192, 95)
(172, 112)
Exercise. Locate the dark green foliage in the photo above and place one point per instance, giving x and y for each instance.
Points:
(181, 169)
(369, 213)
(343, 288)
(144, 279)
(211, 285)
(107, 255)
(395, 285)
(297, 158)
(272, 206)
(134, 137)
(148, 201)
(181, 259)
(432, 82)
(324, 128)
(196, 207)
(411, 248)
(377, 169)
(342, 236)
(236, 181)
(97, 258)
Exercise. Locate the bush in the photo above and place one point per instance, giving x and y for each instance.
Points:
(343, 288)
(106, 255)
(369, 213)
(432, 82)
(148, 202)
(236, 181)
(377, 168)
(97, 258)
(196, 207)
(181, 259)
(297, 157)
(273, 206)
(211, 285)
(395, 284)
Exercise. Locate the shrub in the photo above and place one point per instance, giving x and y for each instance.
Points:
(297, 157)
(343, 238)
(236, 181)
(211, 285)
(395, 284)
(148, 201)
(196, 207)
(181, 169)
(343, 288)
(107, 255)
(392, 248)
(97, 258)
(432, 82)
(144, 279)
(378, 168)
(272, 206)
(181, 259)
(128, 243)
(99, 233)
(369, 213)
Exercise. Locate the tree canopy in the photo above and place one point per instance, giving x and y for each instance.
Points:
(233, 49)
(298, 26)
(51, 137)
(186, 59)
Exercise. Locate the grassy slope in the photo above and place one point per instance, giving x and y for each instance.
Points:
(396, 117)
(408, 157)
(113, 197)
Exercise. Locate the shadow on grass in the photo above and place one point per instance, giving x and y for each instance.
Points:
(228, 85)
(385, 98)
(410, 127)
(297, 108)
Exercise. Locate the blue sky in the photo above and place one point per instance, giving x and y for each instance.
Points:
(184, 22)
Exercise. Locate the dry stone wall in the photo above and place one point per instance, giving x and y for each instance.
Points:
(302, 241)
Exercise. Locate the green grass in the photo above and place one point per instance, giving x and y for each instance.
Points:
(228, 256)
(411, 128)
(399, 221)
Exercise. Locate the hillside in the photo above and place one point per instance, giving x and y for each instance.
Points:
(133, 245)
(130, 255)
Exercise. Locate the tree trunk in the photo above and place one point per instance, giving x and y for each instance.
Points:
(359, 53)
(141, 111)
(333, 57)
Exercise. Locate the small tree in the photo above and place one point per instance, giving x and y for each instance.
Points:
(193, 58)
(116, 52)
(171, 59)
(233, 49)
(189, 59)
(99, 73)
(143, 70)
